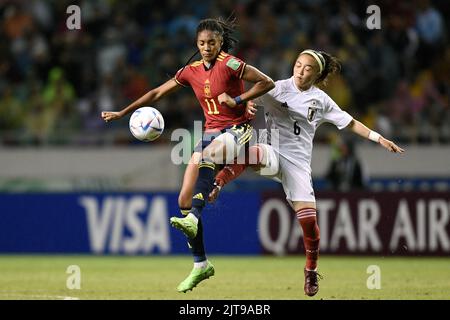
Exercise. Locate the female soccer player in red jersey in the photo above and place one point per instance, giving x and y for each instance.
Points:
(217, 81)
(293, 110)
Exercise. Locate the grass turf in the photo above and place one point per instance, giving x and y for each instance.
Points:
(237, 277)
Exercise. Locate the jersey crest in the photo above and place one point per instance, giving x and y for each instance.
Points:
(207, 89)
(312, 111)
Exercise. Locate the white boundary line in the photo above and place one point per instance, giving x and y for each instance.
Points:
(35, 296)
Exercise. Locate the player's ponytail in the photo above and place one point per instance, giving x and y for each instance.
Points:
(332, 66)
(225, 28)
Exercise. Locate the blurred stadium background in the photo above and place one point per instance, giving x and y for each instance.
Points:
(71, 184)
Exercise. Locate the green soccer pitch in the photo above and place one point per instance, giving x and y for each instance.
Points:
(237, 277)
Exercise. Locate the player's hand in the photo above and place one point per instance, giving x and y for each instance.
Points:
(214, 194)
(224, 98)
(250, 110)
(110, 115)
(389, 145)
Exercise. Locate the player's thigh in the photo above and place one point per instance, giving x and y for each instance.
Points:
(269, 164)
(217, 150)
(297, 185)
(231, 144)
(189, 180)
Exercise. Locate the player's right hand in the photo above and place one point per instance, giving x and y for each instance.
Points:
(224, 98)
(250, 110)
(110, 115)
(214, 194)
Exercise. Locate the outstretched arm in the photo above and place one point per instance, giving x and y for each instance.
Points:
(360, 129)
(148, 98)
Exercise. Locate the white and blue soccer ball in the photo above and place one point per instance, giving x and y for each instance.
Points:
(146, 124)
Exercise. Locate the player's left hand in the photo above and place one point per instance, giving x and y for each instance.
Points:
(391, 146)
(224, 98)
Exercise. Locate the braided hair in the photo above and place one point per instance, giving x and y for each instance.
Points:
(224, 28)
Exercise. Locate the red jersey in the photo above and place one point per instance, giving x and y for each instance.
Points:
(223, 76)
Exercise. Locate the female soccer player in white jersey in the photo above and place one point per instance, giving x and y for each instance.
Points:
(294, 109)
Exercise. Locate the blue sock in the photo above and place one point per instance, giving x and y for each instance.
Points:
(196, 244)
(203, 186)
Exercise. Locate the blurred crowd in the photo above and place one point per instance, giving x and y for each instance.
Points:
(54, 82)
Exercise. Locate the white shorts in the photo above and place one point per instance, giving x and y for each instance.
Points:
(296, 181)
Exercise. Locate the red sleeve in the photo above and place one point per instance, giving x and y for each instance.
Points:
(234, 66)
(182, 76)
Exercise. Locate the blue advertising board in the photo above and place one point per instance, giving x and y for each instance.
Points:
(395, 223)
(122, 223)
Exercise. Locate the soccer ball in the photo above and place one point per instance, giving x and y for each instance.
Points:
(146, 124)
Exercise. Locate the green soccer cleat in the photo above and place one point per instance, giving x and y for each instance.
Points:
(187, 225)
(196, 276)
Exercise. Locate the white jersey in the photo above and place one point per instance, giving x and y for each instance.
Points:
(292, 117)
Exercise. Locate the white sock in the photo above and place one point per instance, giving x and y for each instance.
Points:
(193, 217)
(201, 264)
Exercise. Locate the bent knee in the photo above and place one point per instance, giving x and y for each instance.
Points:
(217, 156)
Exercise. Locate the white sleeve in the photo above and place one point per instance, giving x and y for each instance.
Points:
(336, 115)
(276, 90)
(273, 93)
